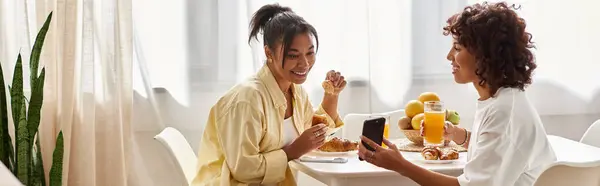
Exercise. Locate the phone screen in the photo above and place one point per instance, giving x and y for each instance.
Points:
(373, 129)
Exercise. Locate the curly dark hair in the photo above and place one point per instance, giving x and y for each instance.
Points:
(496, 36)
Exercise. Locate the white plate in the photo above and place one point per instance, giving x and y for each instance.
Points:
(332, 154)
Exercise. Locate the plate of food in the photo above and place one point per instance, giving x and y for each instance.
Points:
(337, 147)
(435, 155)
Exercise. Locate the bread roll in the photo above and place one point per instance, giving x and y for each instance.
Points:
(328, 86)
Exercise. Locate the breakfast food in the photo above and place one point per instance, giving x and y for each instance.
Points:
(428, 96)
(434, 153)
(416, 121)
(339, 145)
(450, 154)
(413, 107)
(318, 119)
(328, 86)
(431, 153)
(414, 110)
(452, 116)
(404, 123)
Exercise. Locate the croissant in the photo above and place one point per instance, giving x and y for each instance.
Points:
(338, 145)
(328, 86)
(431, 153)
(318, 119)
(451, 154)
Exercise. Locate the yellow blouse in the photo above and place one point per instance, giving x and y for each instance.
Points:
(243, 137)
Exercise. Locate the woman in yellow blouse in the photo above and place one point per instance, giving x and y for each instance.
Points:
(261, 124)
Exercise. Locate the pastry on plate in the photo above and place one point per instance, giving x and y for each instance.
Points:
(339, 145)
(431, 153)
(450, 154)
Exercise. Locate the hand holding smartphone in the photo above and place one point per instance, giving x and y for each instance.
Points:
(373, 129)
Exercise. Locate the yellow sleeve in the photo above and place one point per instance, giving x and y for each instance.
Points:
(240, 131)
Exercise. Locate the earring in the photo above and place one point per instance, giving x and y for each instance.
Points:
(269, 60)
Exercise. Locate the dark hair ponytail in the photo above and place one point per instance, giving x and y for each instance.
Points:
(279, 24)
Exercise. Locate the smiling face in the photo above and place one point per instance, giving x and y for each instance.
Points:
(296, 63)
(464, 64)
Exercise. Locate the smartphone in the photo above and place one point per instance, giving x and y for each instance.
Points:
(373, 129)
(323, 159)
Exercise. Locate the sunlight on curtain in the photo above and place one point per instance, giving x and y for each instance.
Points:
(566, 36)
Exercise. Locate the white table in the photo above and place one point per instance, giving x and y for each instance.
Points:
(357, 172)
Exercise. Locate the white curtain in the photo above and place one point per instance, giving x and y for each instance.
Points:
(88, 91)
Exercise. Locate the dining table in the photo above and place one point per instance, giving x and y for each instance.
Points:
(355, 172)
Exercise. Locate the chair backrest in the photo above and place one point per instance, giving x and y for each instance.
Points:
(353, 124)
(181, 150)
(592, 135)
(563, 173)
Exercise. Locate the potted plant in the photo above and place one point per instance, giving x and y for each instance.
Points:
(25, 159)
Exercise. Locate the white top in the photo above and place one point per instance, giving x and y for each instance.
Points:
(289, 131)
(509, 145)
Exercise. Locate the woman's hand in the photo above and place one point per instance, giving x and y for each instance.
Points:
(309, 140)
(337, 80)
(449, 130)
(387, 158)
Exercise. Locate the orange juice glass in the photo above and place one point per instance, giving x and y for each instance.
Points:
(386, 128)
(435, 117)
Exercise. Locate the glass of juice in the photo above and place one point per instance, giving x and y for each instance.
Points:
(433, 124)
(386, 128)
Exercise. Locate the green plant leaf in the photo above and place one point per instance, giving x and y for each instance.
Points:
(6, 148)
(16, 96)
(34, 60)
(37, 171)
(16, 91)
(23, 148)
(35, 104)
(57, 162)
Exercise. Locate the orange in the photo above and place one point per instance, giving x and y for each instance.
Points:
(416, 121)
(413, 107)
(428, 96)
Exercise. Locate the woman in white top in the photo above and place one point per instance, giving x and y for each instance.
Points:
(509, 145)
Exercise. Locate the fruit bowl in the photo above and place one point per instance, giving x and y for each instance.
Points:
(415, 136)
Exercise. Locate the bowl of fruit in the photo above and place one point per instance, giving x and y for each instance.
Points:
(410, 124)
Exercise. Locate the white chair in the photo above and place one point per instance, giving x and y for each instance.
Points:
(592, 135)
(565, 173)
(180, 149)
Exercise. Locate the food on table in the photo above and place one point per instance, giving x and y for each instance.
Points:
(450, 154)
(339, 145)
(435, 153)
(404, 123)
(452, 116)
(413, 107)
(328, 86)
(416, 121)
(431, 153)
(428, 96)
